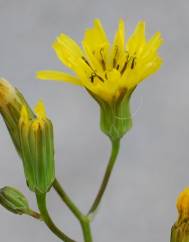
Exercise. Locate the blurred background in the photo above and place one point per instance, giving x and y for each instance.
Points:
(152, 167)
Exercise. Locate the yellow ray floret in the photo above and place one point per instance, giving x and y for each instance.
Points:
(40, 110)
(104, 68)
(24, 115)
(37, 122)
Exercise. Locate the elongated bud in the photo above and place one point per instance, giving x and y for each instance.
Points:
(37, 149)
(115, 117)
(11, 102)
(180, 230)
(14, 200)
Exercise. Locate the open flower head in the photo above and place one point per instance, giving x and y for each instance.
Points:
(103, 68)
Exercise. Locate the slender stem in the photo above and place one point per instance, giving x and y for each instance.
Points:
(86, 231)
(83, 219)
(67, 200)
(114, 153)
(41, 200)
(34, 214)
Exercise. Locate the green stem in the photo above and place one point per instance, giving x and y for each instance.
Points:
(86, 231)
(41, 200)
(83, 220)
(114, 154)
(34, 214)
(67, 200)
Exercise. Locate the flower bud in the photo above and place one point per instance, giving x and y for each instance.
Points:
(37, 149)
(180, 230)
(115, 117)
(14, 201)
(11, 102)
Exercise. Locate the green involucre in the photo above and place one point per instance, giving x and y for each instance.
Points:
(37, 151)
(115, 117)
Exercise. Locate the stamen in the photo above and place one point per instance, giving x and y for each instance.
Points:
(86, 61)
(133, 64)
(93, 75)
(102, 60)
(100, 78)
(114, 60)
(126, 62)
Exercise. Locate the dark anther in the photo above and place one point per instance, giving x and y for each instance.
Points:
(102, 60)
(114, 60)
(126, 62)
(85, 60)
(92, 77)
(133, 64)
(100, 78)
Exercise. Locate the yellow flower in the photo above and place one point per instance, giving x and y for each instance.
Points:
(107, 70)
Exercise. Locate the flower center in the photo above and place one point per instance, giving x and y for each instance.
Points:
(120, 63)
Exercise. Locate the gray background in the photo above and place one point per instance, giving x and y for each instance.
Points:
(152, 168)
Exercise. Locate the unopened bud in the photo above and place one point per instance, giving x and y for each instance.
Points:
(14, 200)
(180, 230)
(37, 149)
(11, 102)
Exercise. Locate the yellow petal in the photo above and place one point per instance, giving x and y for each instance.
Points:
(67, 50)
(155, 42)
(40, 110)
(24, 115)
(58, 76)
(95, 37)
(119, 39)
(150, 67)
(118, 52)
(137, 40)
